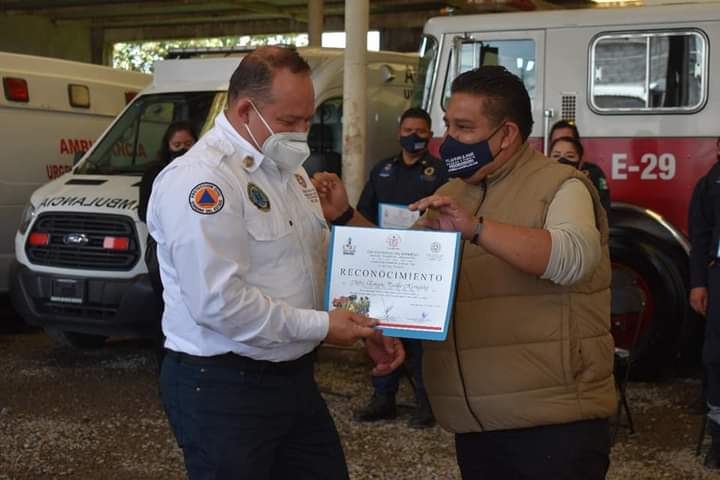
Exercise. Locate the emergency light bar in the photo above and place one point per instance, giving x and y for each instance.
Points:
(37, 239)
(116, 243)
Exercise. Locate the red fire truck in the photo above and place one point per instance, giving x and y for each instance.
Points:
(638, 82)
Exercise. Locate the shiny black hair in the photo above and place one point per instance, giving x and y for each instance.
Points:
(506, 97)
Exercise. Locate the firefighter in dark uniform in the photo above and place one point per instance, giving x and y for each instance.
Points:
(704, 230)
(408, 176)
(402, 179)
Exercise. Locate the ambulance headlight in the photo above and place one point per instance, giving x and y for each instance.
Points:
(27, 217)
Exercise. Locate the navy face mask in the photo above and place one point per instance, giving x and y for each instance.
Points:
(464, 159)
(413, 143)
(173, 154)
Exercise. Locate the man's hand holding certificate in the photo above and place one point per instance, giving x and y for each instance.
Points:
(403, 278)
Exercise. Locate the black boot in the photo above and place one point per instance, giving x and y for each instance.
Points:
(422, 416)
(712, 459)
(381, 407)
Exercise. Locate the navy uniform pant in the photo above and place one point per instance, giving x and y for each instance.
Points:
(569, 451)
(250, 421)
(711, 345)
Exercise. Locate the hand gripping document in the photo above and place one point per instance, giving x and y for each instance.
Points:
(396, 216)
(403, 278)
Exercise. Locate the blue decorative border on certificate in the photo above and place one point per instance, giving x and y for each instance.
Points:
(382, 205)
(401, 332)
(328, 268)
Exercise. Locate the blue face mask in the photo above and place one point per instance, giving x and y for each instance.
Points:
(464, 159)
(413, 143)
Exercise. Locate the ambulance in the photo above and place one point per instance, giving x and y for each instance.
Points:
(79, 271)
(51, 112)
(641, 85)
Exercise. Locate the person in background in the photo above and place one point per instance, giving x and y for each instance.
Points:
(402, 179)
(704, 232)
(408, 176)
(241, 245)
(563, 128)
(569, 151)
(176, 142)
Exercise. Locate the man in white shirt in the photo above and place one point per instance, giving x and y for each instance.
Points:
(241, 246)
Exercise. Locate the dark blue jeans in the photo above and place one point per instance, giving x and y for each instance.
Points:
(388, 385)
(568, 451)
(239, 424)
(711, 346)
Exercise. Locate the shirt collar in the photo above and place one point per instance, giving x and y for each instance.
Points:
(421, 162)
(252, 157)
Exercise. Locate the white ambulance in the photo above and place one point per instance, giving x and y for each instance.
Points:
(640, 83)
(80, 247)
(51, 112)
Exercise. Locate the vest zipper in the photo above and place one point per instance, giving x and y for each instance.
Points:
(457, 352)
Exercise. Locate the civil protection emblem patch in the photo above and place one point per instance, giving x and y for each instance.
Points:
(206, 198)
(258, 197)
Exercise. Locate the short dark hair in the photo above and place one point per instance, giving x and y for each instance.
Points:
(575, 142)
(253, 77)
(416, 113)
(506, 97)
(173, 128)
(565, 124)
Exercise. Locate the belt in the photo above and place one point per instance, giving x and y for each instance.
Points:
(233, 360)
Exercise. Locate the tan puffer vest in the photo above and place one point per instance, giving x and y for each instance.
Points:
(521, 351)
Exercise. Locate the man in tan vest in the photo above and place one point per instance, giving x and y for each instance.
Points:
(524, 378)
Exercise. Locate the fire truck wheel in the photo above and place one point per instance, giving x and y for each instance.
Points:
(80, 341)
(640, 261)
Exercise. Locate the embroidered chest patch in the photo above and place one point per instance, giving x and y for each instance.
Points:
(206, 198)
(258, 197)
(386, 171)
(308, 190)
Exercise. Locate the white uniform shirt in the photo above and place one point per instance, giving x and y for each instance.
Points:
(241, 249)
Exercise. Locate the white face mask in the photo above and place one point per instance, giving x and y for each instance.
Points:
(287, 149)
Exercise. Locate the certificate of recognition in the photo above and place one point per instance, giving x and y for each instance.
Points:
(396, 216)
(403, 278)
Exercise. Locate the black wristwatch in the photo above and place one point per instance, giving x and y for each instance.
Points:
(344, 218)
(475, 240)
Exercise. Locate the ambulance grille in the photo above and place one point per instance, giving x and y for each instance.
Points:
(89, 255)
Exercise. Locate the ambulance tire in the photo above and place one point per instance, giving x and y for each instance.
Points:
(665, 298)
(75, 340)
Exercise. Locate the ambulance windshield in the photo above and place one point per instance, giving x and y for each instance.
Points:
(134, 139)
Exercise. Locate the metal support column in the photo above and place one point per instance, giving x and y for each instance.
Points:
(315, 22)
(357, 17)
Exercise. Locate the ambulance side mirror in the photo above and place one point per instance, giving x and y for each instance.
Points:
(77, 157)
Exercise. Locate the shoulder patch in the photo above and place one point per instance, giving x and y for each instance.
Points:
(386, 170)
(206, 198)
(258, 197)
